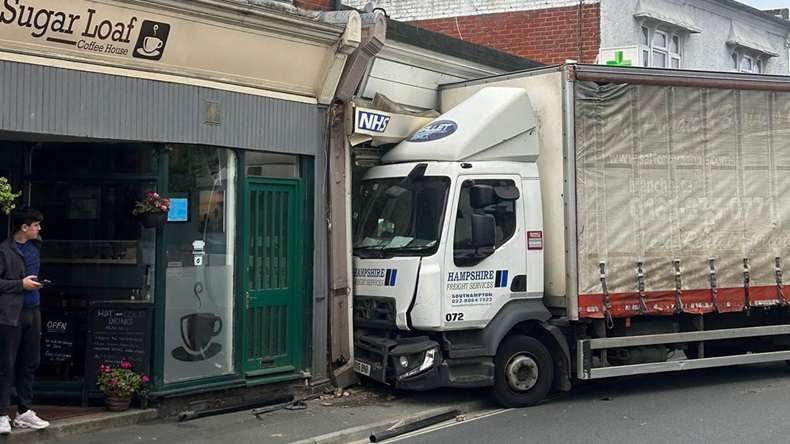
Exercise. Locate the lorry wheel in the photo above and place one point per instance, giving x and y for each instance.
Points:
(523, 372)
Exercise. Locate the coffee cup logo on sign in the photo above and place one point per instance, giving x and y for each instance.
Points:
(152, 40)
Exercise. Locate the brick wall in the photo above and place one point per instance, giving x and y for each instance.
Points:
(546, 35)
(315, 5)
(410, 10)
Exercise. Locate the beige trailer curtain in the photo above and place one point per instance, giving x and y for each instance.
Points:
(687, 174)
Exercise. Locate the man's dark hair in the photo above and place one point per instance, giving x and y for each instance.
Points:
(25, 216)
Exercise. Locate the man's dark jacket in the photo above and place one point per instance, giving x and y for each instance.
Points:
(12, 272)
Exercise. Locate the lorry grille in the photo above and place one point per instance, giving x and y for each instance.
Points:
(374, 312)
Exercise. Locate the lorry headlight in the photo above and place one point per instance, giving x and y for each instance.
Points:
(427, 363)
(404, 361)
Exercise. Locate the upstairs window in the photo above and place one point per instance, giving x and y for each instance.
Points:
(746, 63)
(659, 48)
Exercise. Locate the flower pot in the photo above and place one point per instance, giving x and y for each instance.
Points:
(116, 402)
(153, 220)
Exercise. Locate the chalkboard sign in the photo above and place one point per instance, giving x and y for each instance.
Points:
(117, 331)
(57, 339)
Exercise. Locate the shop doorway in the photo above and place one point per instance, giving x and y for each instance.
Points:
(272, 333)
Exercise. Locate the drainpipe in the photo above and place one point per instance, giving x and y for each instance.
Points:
(349, 41)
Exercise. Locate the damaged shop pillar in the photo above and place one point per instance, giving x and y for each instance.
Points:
(373, 32)
(339, 254)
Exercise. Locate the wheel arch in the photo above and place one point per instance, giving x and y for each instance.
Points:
(529, 317)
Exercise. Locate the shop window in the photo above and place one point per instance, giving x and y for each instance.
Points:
(260, 164)
(92, 159)
(199, 322)
(94, 248)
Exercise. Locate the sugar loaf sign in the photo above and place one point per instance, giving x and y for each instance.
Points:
(87, 29)
(230, 45)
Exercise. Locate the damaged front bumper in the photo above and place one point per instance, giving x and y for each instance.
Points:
(408, 363)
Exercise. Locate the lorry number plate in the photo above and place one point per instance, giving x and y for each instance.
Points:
(361, 367)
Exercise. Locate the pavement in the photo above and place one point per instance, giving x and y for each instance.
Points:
(342, 416)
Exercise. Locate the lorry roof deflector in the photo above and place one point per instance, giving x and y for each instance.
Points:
(497, 123)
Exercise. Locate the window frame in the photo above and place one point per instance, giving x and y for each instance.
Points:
(648, 48)
(507, 228)
(737, 59)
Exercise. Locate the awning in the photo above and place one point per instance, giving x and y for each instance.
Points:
(749, 38)
(665, 12)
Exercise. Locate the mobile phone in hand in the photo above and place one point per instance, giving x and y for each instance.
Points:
(45, 282)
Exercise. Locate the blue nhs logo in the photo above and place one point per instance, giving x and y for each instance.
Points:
(372, 121)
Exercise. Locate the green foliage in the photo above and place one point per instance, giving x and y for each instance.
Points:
(7, 197)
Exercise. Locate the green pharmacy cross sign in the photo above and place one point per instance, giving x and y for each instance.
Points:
(618, 60)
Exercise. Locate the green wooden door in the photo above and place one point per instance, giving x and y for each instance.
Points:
(272, 341)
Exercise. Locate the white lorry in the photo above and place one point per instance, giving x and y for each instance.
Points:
(579, 221)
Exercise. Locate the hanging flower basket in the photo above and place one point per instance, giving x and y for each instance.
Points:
(116, 402)
(152, 210)
(153, 220)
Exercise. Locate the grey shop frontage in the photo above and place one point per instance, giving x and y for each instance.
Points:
(227, 235)
(226, 284)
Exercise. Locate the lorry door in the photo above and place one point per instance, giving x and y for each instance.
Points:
(476, 285)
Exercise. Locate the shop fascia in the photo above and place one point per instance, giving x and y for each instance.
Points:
(229, 42)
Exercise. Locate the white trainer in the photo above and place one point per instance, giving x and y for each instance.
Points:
(29, 420)
(5, 425)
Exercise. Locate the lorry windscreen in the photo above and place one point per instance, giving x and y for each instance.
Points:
(400, 216)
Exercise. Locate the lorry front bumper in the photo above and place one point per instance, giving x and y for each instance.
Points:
(409, 363)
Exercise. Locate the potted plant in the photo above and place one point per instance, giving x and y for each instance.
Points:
(119, 384)
(152, 210)
(7, 197)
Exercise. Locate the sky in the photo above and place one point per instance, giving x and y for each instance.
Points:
(766, 4)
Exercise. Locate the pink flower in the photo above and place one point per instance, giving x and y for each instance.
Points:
(145, 379)
(126, 364)
(114, 380)
(107, 370)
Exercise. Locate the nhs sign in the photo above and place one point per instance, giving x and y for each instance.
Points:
(370, 121)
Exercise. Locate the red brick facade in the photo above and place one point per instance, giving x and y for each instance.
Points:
(548, 35)
(315, 5)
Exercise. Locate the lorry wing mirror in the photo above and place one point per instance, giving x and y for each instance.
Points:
(481, 196)
(483, 232)
(506, 193)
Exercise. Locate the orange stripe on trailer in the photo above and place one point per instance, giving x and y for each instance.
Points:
(662, 303)
(766, 296)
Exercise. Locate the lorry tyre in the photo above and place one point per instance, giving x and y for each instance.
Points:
(523, 372)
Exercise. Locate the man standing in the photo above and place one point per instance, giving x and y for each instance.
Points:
(20, 320)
